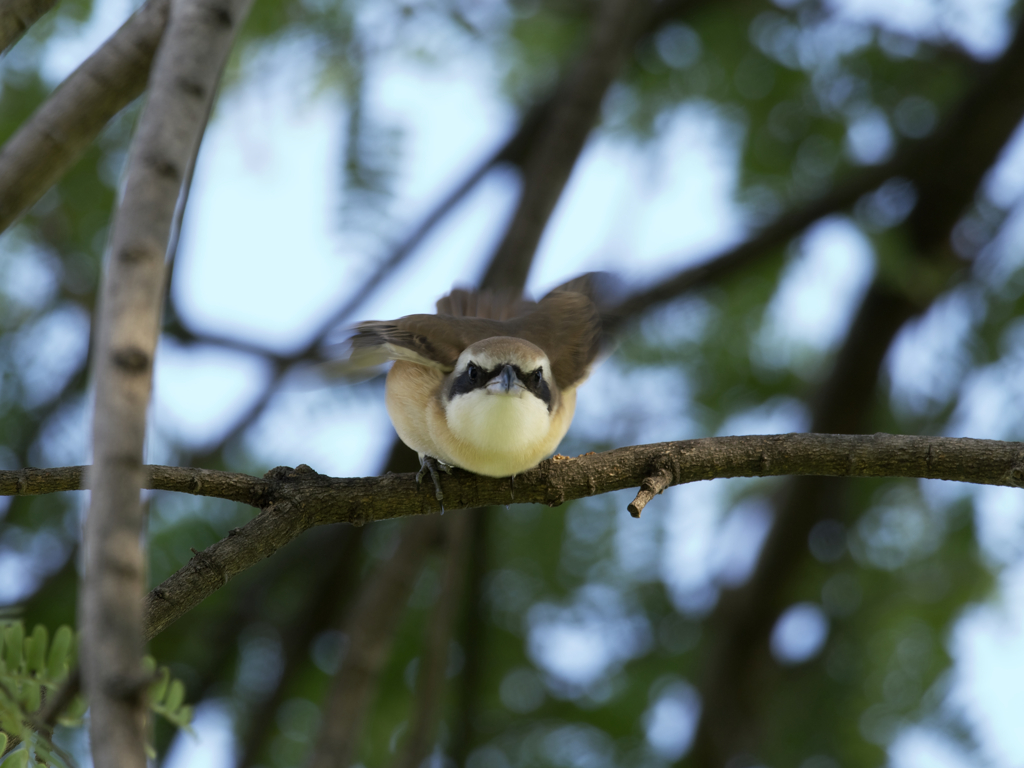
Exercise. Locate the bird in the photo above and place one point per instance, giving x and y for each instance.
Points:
(488, 383)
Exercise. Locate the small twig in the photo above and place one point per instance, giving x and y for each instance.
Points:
(649, 488)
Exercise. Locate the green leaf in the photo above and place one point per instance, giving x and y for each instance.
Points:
(175, 696)
(18, 759)
(184, 716)
(57, 662)
(14, 638)
(36, 652)
(158, 690)
(31, 697)
(74, 711)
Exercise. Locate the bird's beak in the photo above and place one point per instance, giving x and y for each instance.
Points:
(504, 381)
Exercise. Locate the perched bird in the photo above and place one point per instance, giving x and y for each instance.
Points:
(487, 384)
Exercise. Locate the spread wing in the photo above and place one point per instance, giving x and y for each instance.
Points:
(432, 340)
(566, 324)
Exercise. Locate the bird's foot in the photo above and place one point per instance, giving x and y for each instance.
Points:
(430, 464)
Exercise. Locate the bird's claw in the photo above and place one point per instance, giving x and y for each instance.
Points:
(430, 464)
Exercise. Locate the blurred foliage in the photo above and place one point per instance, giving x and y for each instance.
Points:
(34, 668)
(589, 631)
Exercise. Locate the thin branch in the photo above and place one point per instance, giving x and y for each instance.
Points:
(16, 16)
(294, 500)
(763, 242)
(56, 703)
(969, 140)
(198, 38)
(370, 629)
(57, 134)
(362, 500)
(963, 459)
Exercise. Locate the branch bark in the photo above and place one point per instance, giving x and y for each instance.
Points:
(199, 36)
(16, 16)
(57, 134)
(293, 500)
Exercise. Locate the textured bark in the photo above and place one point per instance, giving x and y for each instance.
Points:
(57, 134)
(293, 500)
(362, 500)
(185, 74)
(16, 16)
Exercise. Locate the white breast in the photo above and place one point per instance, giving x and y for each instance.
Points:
(500, 435)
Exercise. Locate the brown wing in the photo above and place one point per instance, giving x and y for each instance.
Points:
(566, 324)
(433, 340)
(488, 305)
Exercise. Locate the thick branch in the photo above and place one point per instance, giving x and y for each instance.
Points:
(16, 16)
(184, 81)
(560, 141)
(57, 134)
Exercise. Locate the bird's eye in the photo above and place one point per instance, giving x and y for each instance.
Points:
(473, 372)
(537, 375)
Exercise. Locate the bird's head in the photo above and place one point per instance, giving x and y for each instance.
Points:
(502, 366)
(501, 393)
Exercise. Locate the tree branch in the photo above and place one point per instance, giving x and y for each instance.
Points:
(577, 102)
(199, 36)
(293, 500)
(774, 235)
(16, 16)
(57, 134)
